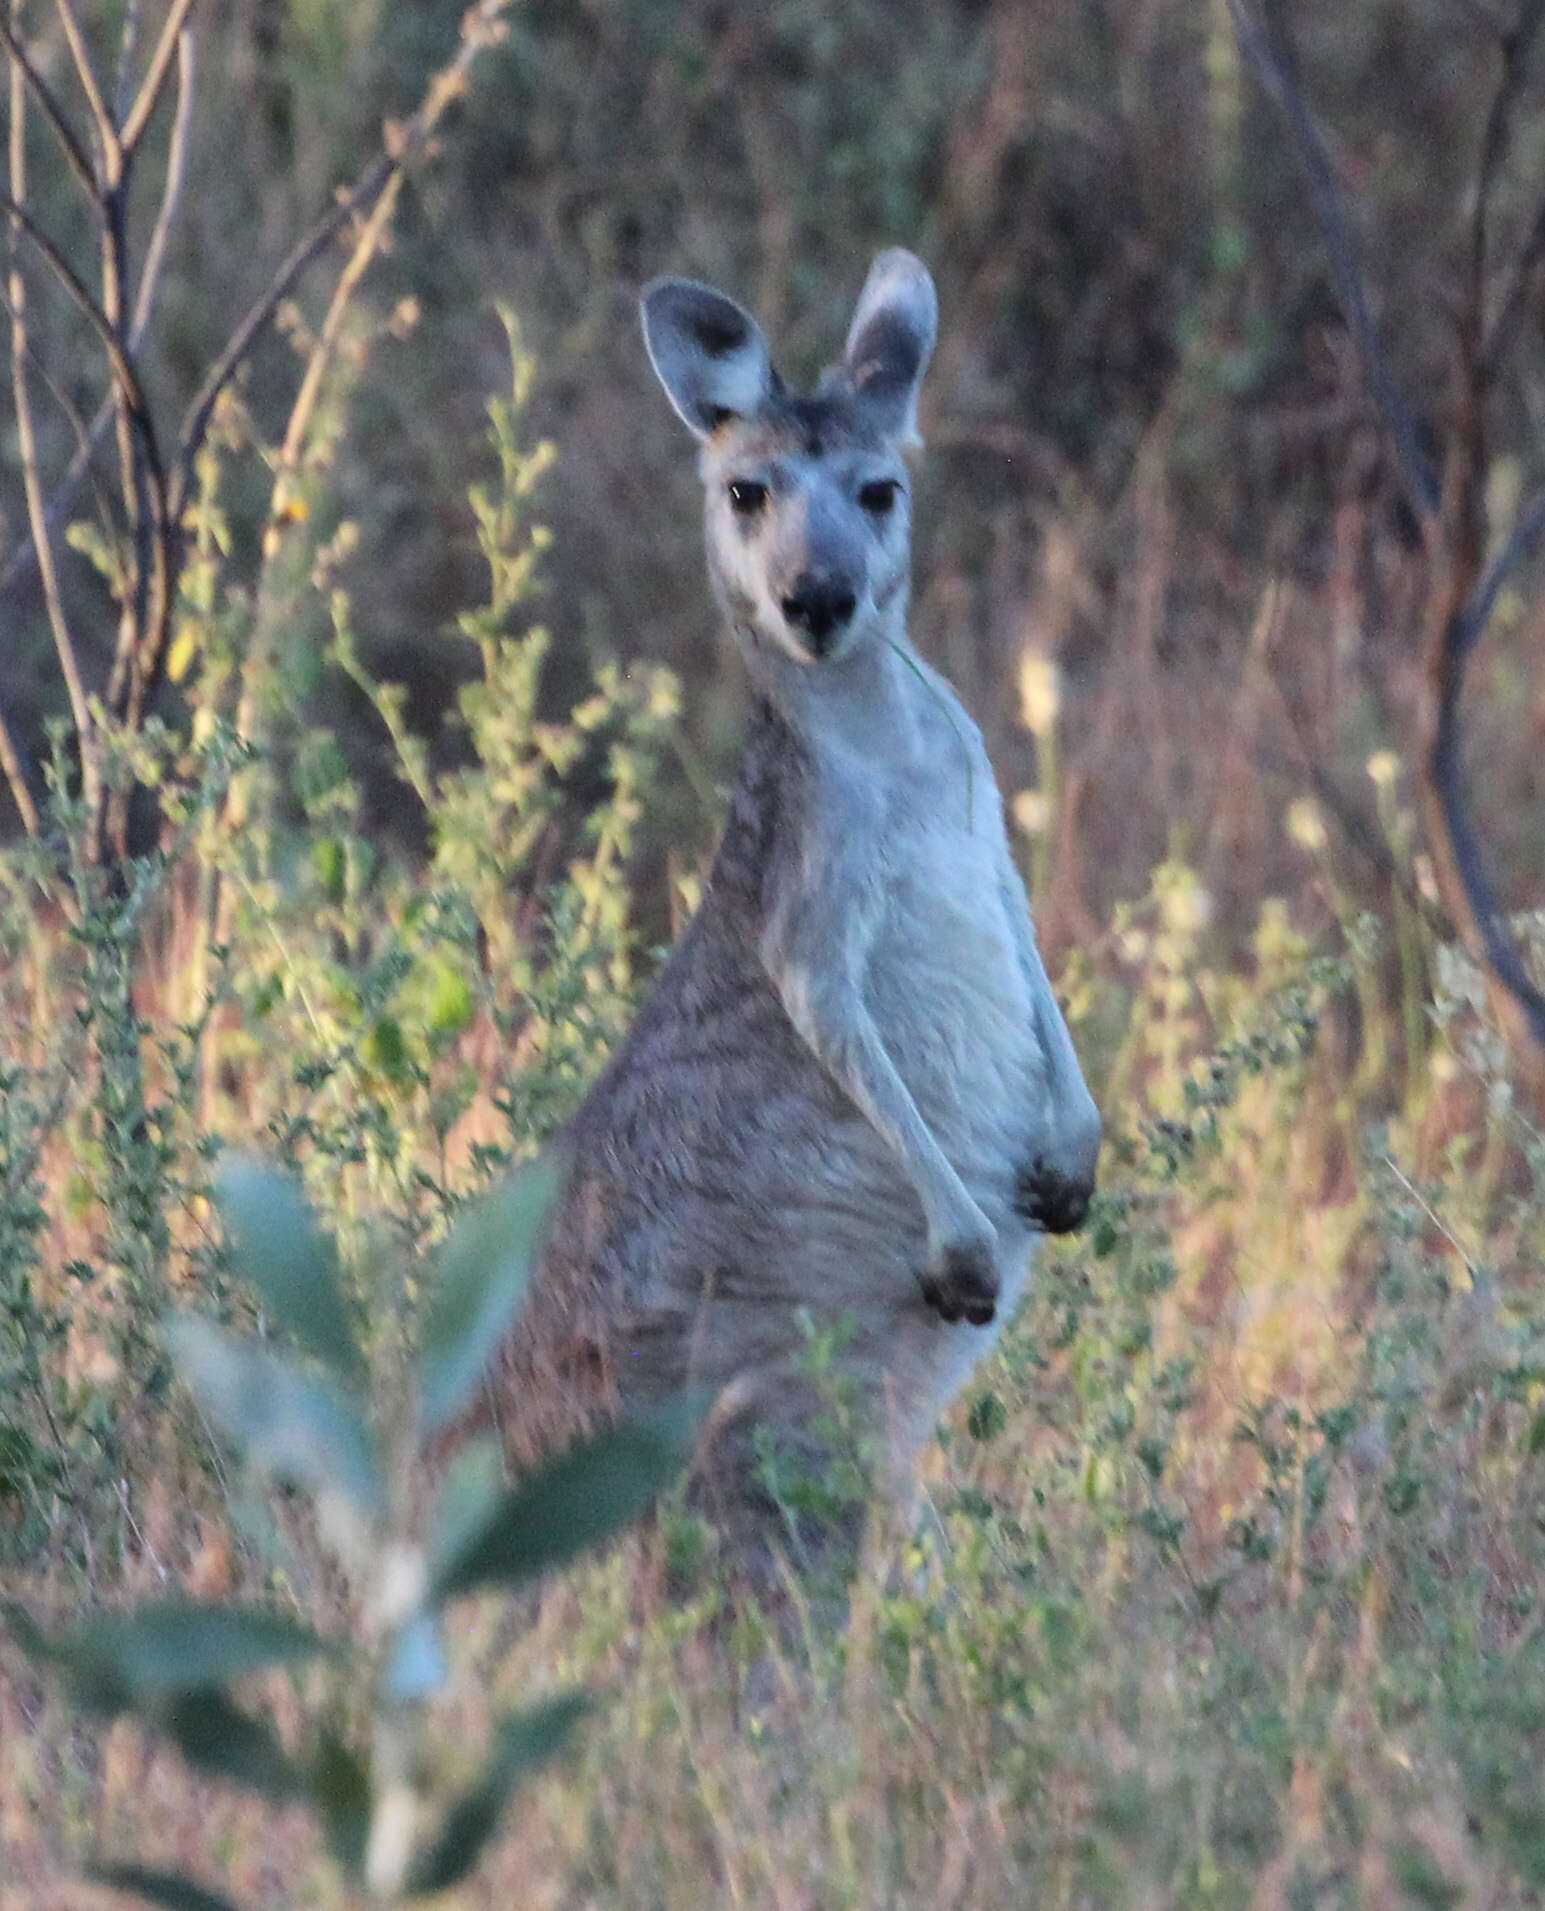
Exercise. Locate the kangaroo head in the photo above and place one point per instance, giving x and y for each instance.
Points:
(806, 500)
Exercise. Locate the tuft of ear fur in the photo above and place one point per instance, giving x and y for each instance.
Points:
(891, 340)
(707, 351)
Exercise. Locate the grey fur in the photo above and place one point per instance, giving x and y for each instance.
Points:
(851, 1090)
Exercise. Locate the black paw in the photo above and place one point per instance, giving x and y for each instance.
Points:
(963, 1284)
(1051, 1201)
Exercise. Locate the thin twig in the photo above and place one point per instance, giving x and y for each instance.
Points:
(1270, 53)
(74, 419)
(482, 26)
(16, 778)
(1460, 637)
(107, 133)
(171, 192)
(155, 75)
(1515, 44)
(53, 112)
(64, 642)
(19, 564)
(1510, 307)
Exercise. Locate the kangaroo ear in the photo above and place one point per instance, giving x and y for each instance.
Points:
(708, 353)
(891, 340)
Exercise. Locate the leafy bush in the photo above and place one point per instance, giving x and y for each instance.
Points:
(305, 1423)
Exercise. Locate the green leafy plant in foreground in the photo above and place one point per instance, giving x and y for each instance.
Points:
(300, 1417)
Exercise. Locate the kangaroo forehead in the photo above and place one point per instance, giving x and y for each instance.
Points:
(791, 424)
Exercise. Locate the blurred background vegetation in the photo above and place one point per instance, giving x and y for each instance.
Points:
(1230, 1588)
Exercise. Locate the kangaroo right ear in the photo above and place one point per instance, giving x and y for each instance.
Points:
(707, 351)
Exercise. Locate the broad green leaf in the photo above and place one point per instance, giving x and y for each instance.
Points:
(522, 1744)
(218, 1738)
(572, 1504)
(158, 1887)
(478, 1282)
(476, 1480)
(162, 1651)
(340, 1792)
(294, 1425)
(277, 1246)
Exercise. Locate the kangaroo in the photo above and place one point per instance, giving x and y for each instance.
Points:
(851, 1090)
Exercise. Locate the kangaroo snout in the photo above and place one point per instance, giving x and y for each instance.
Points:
(819, 607)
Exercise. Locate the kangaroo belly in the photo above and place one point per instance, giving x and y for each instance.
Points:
(954, 1006)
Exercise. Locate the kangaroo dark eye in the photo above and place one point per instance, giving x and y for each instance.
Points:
(747, 497)
(878, 495)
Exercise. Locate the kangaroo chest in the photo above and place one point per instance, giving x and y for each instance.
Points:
(943, 919)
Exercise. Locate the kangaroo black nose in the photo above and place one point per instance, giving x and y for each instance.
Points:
(1053, 1201)
(819, 606)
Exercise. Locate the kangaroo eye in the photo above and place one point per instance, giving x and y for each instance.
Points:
(878, 495)
(747, 497)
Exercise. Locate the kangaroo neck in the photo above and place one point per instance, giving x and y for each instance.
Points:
(860, 701)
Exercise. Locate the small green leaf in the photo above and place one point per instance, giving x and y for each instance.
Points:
(479, 1280)
(159, 1652)
(987, 1418)
(572, 1504)
(522, 1745)
(277, 1246)
(451, 1002)
(386, 1047)
(218, 1738)
(331, 865)
(158, 1887)
(297, 1427)
(340, 1791)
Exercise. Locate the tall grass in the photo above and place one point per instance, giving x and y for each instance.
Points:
(1223, 1584)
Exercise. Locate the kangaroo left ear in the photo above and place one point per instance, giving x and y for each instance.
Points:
(891, 341)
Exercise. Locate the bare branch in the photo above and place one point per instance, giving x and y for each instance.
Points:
(1515, 43)
(1269, 50)
(1445, 770)
(19, 564)
(481, 27)
(16, 779)
(1510, 308)
(53, 112)
(155, 74)
(241, 341)
(171, 193)
(107, 132)
(72, 415)
(64, 643)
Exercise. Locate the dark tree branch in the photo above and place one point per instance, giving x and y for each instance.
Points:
(1463, 601)
(1460, 637)
(1510, 307)
(22, 560)
(1269, 50)
(53, 112)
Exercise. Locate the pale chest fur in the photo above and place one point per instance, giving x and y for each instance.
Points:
(939, 920)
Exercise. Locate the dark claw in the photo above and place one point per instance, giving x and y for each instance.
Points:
(1049, 1200)
(965, 1289)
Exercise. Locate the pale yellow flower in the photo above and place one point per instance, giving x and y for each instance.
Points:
(1032, 812)
(1384, 768)
(1305, 825)
(1040, 692)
